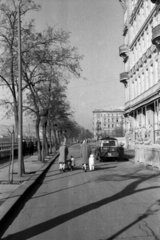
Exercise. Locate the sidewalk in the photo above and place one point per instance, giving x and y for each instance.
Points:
(129, 154)
(11, 194)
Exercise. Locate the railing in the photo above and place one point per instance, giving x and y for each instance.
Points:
(123, 50)
(7, 146)
(156, 34)
(127, 104)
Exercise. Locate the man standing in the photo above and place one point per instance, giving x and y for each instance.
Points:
(85, 153)
(31, 147)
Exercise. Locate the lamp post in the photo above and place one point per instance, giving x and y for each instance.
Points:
(20, 156)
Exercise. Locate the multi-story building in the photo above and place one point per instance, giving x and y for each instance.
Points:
(106, 121)
(141, 76)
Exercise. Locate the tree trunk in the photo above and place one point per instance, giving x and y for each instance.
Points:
(55, 139)
(38, 139)
(44, 142)
(58, 139)
(16, 120)
(50, 139)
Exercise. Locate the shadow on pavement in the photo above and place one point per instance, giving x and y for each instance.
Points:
(45, 226)
(149, 212)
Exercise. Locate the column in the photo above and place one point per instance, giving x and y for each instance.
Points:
(158, 111)
(149, 6)
(146, 8)
(140, 84)
(147, 79)
(142, 44)
(132, 90)
(146, 115)
(135, 27)
(151, 75)
(150, 34)
(145, 41)
(156, 71)
(158, 62)
(142, 79)
(155, 119)
(142, 14)
(135, 87)
(134, 126)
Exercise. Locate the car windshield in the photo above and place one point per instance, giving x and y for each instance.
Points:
(109, 143)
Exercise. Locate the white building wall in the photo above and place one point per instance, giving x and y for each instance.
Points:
(142, 65)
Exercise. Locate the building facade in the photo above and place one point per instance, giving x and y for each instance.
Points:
(106, 121)
(141, 76)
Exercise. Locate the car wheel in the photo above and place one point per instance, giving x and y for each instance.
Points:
(97, 156)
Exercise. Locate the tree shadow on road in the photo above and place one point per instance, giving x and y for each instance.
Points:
(150, 211)
(54, 222)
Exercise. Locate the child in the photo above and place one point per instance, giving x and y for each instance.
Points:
(91, 162)
(72, 162)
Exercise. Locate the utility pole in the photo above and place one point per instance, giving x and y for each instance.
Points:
(20, 156)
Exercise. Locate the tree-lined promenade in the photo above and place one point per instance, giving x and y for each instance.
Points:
(48, 63)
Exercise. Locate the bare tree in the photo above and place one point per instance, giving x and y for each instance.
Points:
(9, 51)
(47, 66)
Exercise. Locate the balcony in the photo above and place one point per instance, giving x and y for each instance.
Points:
(145, 95)
(123, 52)
(125, 29)
(156, 35)
(127, 105)
(124, 78)
(155, 1)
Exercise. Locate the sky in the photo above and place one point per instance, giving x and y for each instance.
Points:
(96, 30)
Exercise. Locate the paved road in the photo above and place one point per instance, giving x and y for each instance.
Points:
(119, 200)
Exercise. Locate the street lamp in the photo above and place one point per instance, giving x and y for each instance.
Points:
(20, 156)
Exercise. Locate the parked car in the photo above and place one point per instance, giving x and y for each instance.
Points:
(108, 148)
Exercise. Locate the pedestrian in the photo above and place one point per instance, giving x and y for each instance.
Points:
(85, 153)
(72, 162)
(31, 147)
(63, 153)
(91, 162)
(24, 146)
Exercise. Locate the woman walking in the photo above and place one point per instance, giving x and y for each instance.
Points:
(85, 153)
(63, 152)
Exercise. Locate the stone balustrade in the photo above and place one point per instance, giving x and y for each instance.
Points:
(148, 155)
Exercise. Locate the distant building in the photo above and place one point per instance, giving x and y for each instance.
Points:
(141, 76)
(106, 121)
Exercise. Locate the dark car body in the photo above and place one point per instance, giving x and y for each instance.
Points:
(108, 148)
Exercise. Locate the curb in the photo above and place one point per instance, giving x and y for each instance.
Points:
(16, 197)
